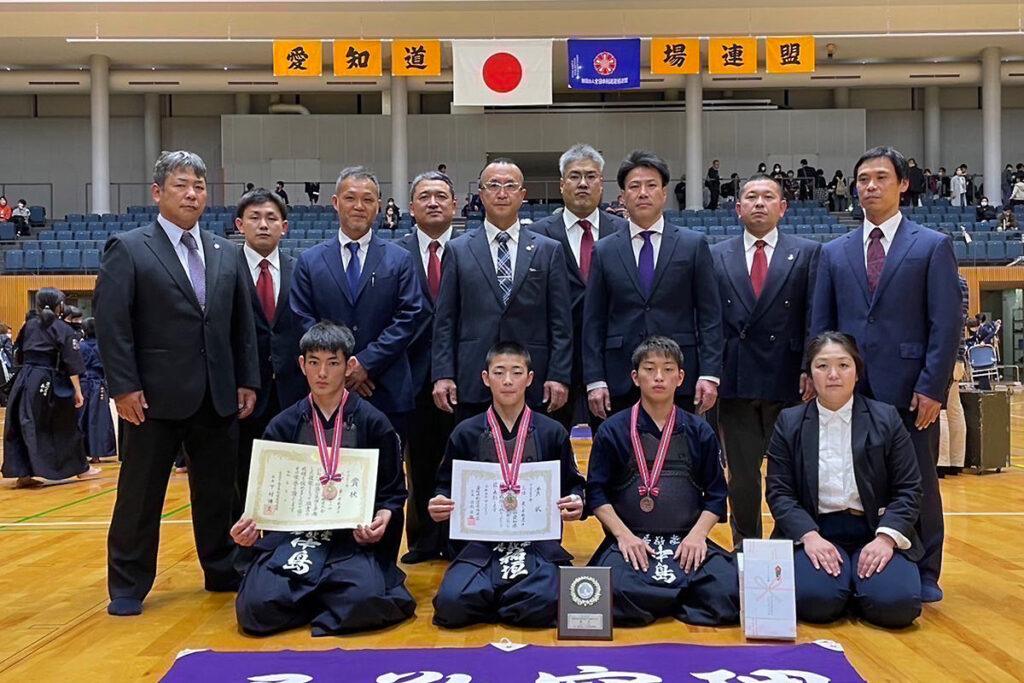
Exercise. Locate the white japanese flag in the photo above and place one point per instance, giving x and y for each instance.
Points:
(501, 72)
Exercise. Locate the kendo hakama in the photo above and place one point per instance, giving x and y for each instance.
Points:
(511, 583)
(692, 481)
(325, 578)
(94, 420)
(41, 437)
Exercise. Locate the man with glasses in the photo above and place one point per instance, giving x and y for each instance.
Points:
(578, 228)
(652, 279)
(501, 283)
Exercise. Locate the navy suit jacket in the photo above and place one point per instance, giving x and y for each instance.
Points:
(419, 348)
(765, 337)
(554, 227)
(384, 312)
(470, 318)
(884, 466)
(908, 330)
(277, 343)
(683, 305)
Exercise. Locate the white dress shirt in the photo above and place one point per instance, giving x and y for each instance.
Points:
(364, 245)
(638, 242)
(837, 483)
(175, 233)
(574, 232)
(888, 227)
(750, 246)
(513, 243)
(254, 259)
(424, 241)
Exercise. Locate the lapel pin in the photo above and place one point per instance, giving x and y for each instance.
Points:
(790, 257)
(217, 246)
(529, 247)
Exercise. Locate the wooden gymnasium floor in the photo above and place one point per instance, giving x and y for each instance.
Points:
(55, 626)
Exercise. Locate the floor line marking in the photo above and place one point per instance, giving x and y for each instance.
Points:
(62, 507)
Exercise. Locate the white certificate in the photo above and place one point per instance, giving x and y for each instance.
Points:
(285, 493)
(767, 593)
(480, 516)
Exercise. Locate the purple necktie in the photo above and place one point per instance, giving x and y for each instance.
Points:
(196, 271)
(646, 264)
(876, 258)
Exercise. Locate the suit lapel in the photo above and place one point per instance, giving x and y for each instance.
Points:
(809, 454)
(669, 239)
(783, 260)
(559, 233)
(860, 426)
(607, 226)
(412, 244)
(286, 282)
(625, 252)
(901, 242)
(162, 248)
(212, 254)
(736, 266)
(374, 254)
(336, 267)
(482, 252)
(524, 257)
(854, 248)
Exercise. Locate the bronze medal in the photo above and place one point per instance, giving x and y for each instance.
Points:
(330, 492)
(510, 501)
(647, 504)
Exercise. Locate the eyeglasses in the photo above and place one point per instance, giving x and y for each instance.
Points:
(496, 187)
(575, 177)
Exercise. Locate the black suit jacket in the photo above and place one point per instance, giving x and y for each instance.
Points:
(470, 317)
(154, 336)
(554, 227)
(277, 343)
(884, 465)
(765, 337)
(683, 305)
(419, 347)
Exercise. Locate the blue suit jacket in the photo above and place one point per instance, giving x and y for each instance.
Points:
(554, 227)
(384, 312)
(908, 330)
(470, 318)
(683, 305)
(765, 337)
(419, 348)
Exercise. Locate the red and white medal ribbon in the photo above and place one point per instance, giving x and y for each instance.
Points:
(509, 470)
(649, 479)
(329, 459)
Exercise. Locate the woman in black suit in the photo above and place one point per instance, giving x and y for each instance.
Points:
(844, 486)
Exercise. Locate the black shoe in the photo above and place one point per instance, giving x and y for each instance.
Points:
(417, 556)
(124, 607)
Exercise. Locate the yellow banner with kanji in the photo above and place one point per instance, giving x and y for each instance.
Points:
(732, 55)
(298, 57)
(416, 58)
(672, 56)
(789, 55)
(357, 57)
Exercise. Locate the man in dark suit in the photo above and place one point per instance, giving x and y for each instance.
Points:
(262, 217)
(433, 207)
(714, 183)
(892, 285)
(766, 283)
(806, 174)
(359, 280)
(501, 283)
(179, 349)
(578, 228)
(652, 278)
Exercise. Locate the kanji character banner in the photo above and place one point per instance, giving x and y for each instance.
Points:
(357, 57)
(732, 55)
(675, 56)
(416, 58)
(298, 57)
(789, 55)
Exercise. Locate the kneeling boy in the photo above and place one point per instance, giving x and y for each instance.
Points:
(514, 583)
(343, 580)
(655, 481)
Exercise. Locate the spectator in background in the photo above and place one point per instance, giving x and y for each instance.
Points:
(952, 424)
(279, 191)
(985, 212)
(391, 206)
(5, 210)
(820, 188)
(391, 217)
(943, 182)
(20, 217)
(1017, 195)
(1007, 221)
(958, 188)
(442, 168)
(1006, 183)
(762, 168)
(617, 208)
(94, 420)
(839, 193)
(789, 187)
(313, 192)
(917, 183)
(249, 187)
(806, 175)
(778, 173)
(989, 330)
(714, 184)
(730, 188)
(680, 192)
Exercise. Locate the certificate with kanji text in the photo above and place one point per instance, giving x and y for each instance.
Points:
(285, 493)
(483, 511)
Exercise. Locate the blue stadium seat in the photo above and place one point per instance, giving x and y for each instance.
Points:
(7, 231)
(733, 230)
(47, 235)
(996, 250)
(303, 225)
(89, 227)
(30, 244)
(326, 226)
(77, 226)
(71, 259)
(91, 259)
(307, 243)
(37, 216)
(14, 260)
(60, 225)
(129, 225)
(314, 234)
(108, 218)
(33, 259)
(1014, 249)
(92, 218)
(65, 235)
(52, 259)
(716, 230)
(62, 245)
(976, 251)
(75, 217)
(114, 226)
(385, 233)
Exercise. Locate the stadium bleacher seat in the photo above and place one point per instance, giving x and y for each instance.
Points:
(1014, 249)
(75, 217)
(33, 259)
(14, 260)
(91, 259)
(314, 234)
(77, 226)
(7, 231)
(71, 259)
(996, 250)
(37, 216)
(47, 235)
(65, 235)
(52, 259)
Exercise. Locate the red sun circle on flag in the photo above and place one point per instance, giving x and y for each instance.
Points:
(605, 64)
(502, 72)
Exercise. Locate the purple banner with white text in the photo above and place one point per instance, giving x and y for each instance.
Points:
(819, 662)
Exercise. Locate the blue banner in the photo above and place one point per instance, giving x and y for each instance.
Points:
(604, 64)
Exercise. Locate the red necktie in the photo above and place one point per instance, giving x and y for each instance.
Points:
(265, 290)
(876, 258)
(434, 270)
(586, 248)
(759, 268)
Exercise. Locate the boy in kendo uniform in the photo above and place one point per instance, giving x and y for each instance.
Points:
(512, 583)
(342, 580)
(658, 509)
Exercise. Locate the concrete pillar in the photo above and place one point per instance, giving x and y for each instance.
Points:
(400, 142)
(243, 103)
(932, 123)
(694, 142)
(99, 99)
(991, 123)
(841, 98)
(151, 137)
